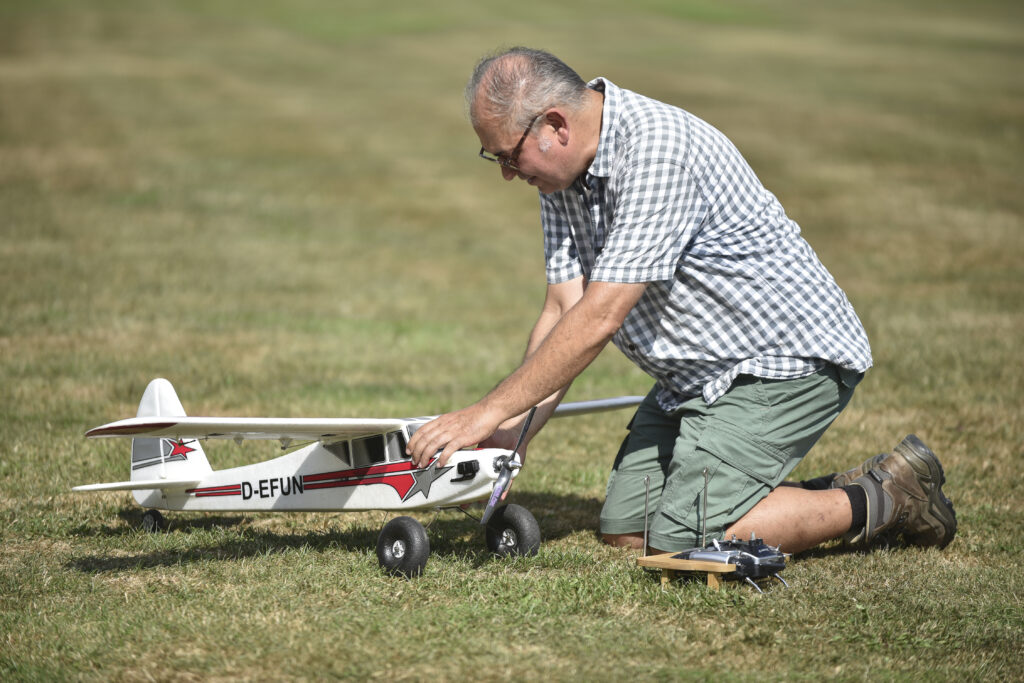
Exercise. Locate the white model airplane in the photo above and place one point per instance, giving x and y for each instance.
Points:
(351, 464)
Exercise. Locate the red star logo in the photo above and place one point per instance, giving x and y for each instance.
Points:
(180, 449)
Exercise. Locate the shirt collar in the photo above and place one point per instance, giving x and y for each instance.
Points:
(601, 167)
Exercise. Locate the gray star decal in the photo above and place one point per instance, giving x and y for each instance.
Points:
(424, 478)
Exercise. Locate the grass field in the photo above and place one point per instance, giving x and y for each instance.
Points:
(278, 207)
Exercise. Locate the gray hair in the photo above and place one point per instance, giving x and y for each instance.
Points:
(519, 83)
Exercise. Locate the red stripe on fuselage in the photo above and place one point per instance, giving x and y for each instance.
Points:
(361, 472)
(399, 482)
(229, 490)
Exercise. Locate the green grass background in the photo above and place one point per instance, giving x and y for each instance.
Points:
(278, 207)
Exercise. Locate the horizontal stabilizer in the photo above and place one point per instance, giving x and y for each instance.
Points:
(597, 406)
(140, 485)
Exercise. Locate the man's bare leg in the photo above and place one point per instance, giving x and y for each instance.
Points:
(790, 517)
(634, 541)
(796, 519)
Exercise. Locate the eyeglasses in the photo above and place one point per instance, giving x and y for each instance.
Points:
(510, 161)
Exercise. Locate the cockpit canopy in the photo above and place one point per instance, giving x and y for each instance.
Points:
(370, 450)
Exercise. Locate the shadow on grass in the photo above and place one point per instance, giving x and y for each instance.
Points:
(837, 548)
(451, 534)
(132, 518)
(247, 543)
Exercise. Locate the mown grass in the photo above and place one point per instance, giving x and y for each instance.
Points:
(277, 206)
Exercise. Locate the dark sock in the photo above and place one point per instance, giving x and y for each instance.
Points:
(818, 483)
(858, 505)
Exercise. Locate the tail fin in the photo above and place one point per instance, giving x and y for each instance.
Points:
(164, 458)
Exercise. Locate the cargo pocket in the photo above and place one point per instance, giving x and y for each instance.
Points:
(742, 469)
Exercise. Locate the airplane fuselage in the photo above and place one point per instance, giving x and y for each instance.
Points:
(314, 478)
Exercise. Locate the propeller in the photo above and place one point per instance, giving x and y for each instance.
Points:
(506, 465)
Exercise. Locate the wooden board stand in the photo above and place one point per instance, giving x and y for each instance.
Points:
(669, 566)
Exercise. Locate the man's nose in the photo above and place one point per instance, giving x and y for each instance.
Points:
(508, 173)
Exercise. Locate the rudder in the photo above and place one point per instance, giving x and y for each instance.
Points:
(164, 458)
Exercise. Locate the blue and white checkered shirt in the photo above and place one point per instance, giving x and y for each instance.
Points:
(734, 289)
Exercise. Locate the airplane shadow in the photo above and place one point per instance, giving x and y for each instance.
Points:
(132, 518)
(450, 533)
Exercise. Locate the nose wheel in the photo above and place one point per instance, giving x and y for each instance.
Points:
(513, 531)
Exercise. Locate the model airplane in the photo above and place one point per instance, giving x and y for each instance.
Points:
(347, 464)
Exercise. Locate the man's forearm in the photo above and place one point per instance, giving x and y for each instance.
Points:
(558, 353)
(545, 323)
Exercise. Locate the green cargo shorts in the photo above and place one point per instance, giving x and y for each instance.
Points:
(749, 440)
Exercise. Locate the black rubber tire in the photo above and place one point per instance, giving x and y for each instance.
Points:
(513, 531)
(153, 521)
(403, 547)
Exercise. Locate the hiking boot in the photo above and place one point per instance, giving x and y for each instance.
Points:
(904, 495)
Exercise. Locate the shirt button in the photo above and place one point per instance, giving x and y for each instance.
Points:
(631, 346)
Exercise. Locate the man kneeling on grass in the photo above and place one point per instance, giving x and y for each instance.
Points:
(659, 237)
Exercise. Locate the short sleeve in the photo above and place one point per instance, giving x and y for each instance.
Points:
(658, 208)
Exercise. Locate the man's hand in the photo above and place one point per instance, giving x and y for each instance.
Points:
(451, 432)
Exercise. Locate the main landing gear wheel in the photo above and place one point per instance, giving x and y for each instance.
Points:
(513, 531)
(403, 547)
(153, 521)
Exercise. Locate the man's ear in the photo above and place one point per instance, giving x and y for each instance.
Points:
(558, 120)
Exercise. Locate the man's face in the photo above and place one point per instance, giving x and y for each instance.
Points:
(540, 159)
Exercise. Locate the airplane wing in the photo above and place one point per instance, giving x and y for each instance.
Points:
(298, 428)
(275, 428)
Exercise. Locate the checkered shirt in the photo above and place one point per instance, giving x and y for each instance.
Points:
(733, 287)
